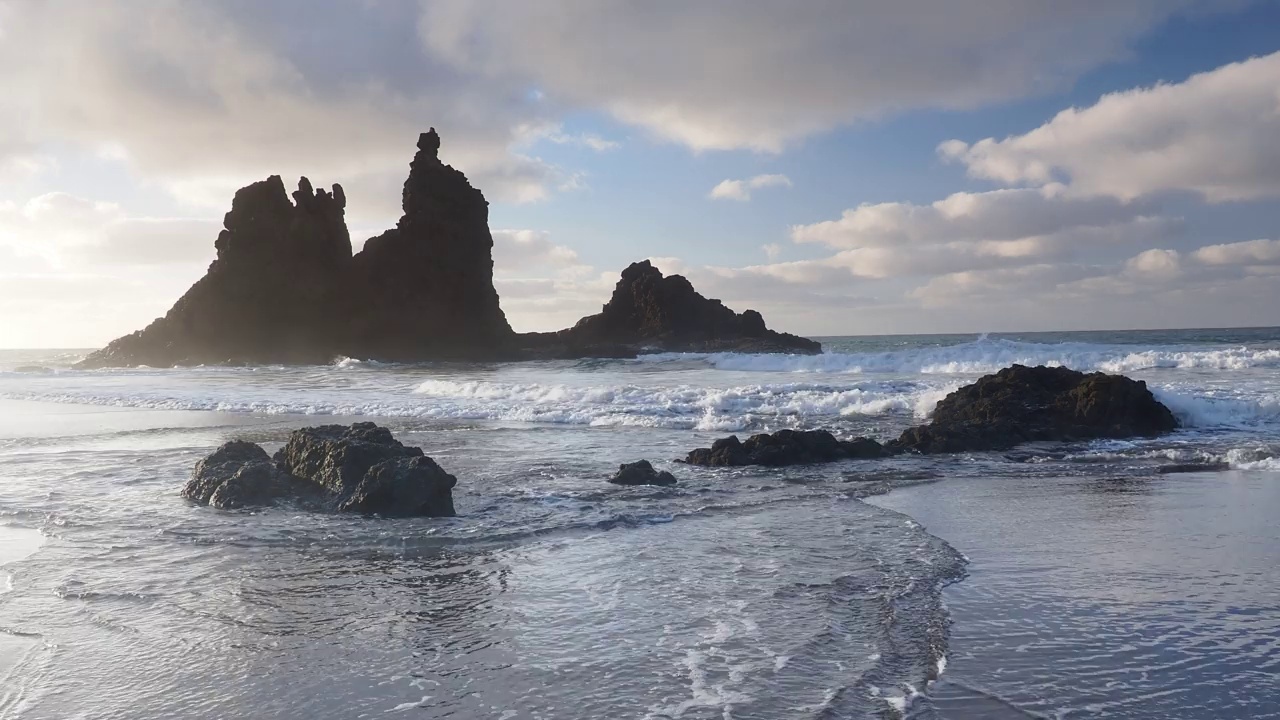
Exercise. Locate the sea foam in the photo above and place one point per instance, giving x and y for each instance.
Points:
(986, 356)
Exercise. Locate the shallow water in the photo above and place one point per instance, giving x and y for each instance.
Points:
(746, 593)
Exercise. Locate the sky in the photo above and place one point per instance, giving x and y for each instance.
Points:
(844, 167)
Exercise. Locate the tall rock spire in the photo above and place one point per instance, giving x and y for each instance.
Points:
(425, 288)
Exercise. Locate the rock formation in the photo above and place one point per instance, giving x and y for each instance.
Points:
(650, 312)
(641, 472)
(1023, 404)
(239, 474)
(360, 468)
(285, 288)
(424, 289)
(271, 295)
(785, 447)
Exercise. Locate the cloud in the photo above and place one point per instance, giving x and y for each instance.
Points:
(73, 233)
(1212, 134)
(1156, 263)
(1249, 252)
(740, 190)
(516, 251)
(205, 97)
(757, 74)
(972, 231)
(590, 141)
(997, 215)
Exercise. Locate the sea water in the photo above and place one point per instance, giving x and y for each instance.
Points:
(1057, 581)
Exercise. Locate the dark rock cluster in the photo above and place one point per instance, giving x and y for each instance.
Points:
(1025, 404)
(650, 312)
(785, 447)
(1016, 405)
(360, 469)
(285, 288)
(641, 472)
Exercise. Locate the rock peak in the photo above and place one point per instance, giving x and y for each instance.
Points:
(429, 142)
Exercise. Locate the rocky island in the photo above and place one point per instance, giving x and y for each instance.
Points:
(286, 288)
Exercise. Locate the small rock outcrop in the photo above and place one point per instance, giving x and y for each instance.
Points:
(239, 474)
(785, 447)
(650, 312)
(360, 468)
(1023, 404)
(641, 472)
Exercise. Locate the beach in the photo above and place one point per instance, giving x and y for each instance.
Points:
(1069, 580)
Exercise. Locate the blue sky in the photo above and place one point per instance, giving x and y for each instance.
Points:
(599, 133)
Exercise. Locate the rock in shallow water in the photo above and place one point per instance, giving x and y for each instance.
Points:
(1024, 404)
(785, 447)
(641, 472)
(360, 468)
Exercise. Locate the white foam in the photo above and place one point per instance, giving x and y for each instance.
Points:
(1260, 459)
(1199, 411)
(411, 705)
(986, 356)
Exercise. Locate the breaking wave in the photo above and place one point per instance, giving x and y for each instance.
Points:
(987, 355)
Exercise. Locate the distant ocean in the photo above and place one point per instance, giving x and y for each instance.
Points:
(1056, 581)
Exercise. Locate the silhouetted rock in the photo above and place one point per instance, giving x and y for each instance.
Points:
(424, 289)
(360, 468)
(238, 474)
(785, 447)
(641, 472)
(650, 312)
(271, 295)
(285, 288)
(1022, 404)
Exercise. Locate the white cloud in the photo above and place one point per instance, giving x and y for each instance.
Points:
(740, 190)
(75, 233)
(590, 141)
(1213, 134)
(1249, 252)
(203, 98)
(1156, 263)
(998, 215)
(757, 74)
(974, 231)
(519, 251)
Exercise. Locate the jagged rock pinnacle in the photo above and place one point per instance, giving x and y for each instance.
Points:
(429, 142)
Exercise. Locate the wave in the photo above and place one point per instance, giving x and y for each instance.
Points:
(742, 407)
(989, 355)
(1199, 411)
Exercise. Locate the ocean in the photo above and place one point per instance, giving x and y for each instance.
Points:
(1054, 581)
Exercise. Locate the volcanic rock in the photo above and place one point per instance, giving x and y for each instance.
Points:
(649, 312)
(271, 294)
(641, 472)
(360, 468)
(285, 288)
(1022, 404)
(238, 474)
(785, 447)
(424, 289)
